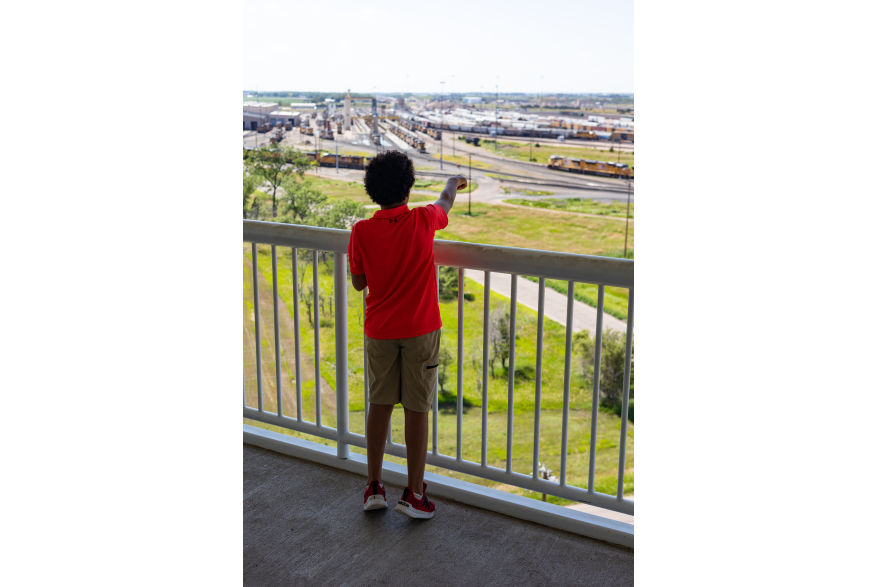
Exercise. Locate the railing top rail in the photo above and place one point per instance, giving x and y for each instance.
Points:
(532, 262)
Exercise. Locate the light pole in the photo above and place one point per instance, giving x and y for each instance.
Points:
(627, 218)
(442, 129)
(496, 118)
(470, 185)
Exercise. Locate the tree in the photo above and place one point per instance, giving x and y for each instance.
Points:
(307, 296)
(300, 201)
(611, 365)
(444, 360)
(275, 164)
(448, 283)
(341, 214)
(249, 188)
(499, 336)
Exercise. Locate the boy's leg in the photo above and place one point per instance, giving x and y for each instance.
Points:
(420, 359)
(416, 437)
(376, 438)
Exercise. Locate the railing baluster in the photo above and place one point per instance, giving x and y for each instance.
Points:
(297, 334)
(595, 397)
(537, 416)
(628, 357)
(278, 367)
(460, 298)
(485, 355)
(365, 358)
(317, 340)
(341, 404)
(570, 299)
(258, 328)
(435, 391)
(511, 407)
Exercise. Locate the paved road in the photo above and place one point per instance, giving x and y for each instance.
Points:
(584, 317)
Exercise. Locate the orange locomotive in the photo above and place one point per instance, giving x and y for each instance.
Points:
(591, 167)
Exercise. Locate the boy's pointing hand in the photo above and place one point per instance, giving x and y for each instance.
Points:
(459, 180)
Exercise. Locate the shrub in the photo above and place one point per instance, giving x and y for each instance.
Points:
(611, 367)
(448, 283)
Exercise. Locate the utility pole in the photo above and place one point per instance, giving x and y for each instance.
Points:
(496, 118)
(336, 155)
(442, 129)
(470, 185)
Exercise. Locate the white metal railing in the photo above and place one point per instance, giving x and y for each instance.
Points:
(488, 258)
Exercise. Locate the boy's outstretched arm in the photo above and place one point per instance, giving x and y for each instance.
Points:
(449, 194)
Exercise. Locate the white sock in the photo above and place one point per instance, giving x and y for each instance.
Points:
(417, 495)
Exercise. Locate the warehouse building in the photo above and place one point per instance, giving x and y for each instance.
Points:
(256, 114)
(285, 117)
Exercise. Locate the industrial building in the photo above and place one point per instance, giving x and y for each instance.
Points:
(257, 114)
(285, 117)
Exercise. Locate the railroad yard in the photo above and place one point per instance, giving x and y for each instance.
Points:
(440, 153)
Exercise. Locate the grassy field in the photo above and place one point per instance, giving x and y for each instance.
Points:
(438, 186)
(462, 162)
(585, 206)
(537, 229)
(524, 405)
(521, 152)
(572, 233)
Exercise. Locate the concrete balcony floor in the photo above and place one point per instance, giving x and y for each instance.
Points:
(303, 526)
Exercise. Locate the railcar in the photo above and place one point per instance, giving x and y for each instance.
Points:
(327, 159)
(406, 136)
(591, 167)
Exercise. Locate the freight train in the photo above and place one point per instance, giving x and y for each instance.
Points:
(324, 159)
(591, 167)
(416, 123)
(434, 129)
(346, 161)
(409, 137)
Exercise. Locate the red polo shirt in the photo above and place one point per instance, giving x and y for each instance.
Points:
(394, 250)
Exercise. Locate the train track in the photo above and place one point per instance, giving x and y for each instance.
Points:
(549, 179)
(537, 182)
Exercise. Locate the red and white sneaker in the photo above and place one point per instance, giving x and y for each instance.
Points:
(375, 497)
(422, 509)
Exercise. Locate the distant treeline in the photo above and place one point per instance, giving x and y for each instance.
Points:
(320, 96)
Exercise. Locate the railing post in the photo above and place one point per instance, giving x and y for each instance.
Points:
(341, 352)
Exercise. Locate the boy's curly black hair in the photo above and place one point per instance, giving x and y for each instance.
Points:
(389, 178)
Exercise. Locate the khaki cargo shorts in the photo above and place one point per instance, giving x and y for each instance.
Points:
(403, 370)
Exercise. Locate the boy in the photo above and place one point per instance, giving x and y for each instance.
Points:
(391, 253)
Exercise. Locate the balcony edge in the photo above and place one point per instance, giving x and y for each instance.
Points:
(517, 506)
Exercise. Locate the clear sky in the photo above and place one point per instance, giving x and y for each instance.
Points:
(580, 46)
